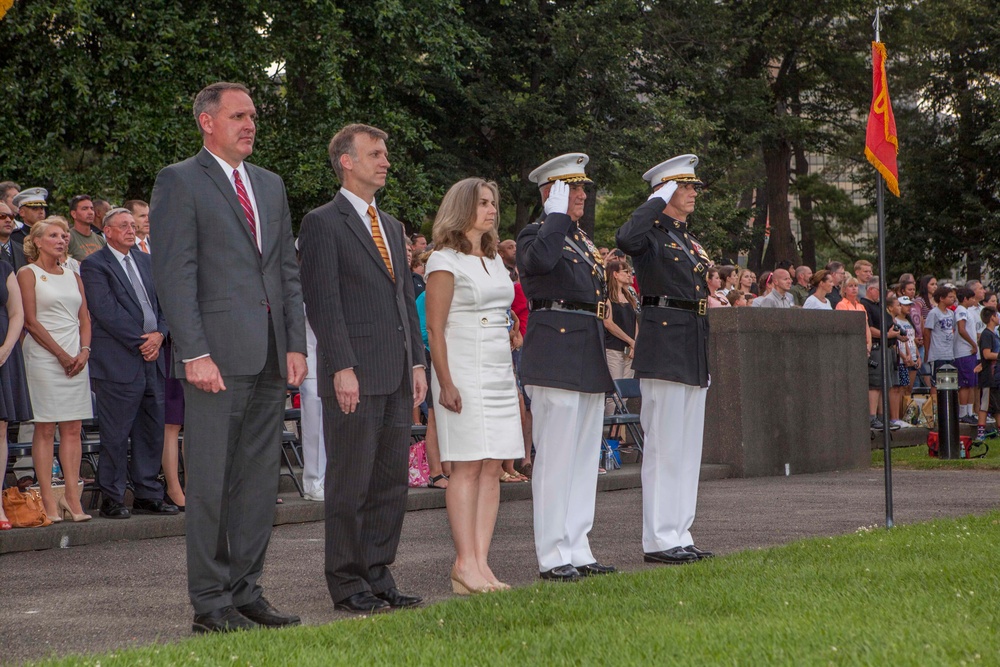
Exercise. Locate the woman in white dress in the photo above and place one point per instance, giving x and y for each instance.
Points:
(478, 419)
(56, 351)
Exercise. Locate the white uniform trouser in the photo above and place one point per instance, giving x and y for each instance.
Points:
(673, 421)
(566, 427)
(313, 447)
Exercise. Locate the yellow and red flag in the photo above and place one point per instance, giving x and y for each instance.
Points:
(881, 144)
(4, 6)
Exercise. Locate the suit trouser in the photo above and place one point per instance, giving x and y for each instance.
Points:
(232, 453)
(673, 421)
(566, 428)
(367, 464)
(313, 448)
(131, 410)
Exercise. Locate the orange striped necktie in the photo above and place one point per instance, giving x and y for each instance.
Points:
(379, 241)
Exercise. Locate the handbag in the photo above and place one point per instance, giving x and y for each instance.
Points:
(420, 471)
(24, 509)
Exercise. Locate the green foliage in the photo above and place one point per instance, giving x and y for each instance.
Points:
(98, 94)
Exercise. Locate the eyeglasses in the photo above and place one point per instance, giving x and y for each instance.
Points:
(6, 216)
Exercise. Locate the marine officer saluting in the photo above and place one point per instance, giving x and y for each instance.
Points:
(563, 369)
(671, 357)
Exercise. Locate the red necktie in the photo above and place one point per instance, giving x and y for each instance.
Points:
(244, 198)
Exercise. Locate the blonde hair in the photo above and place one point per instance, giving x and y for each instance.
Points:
(30, 249)
(457, 214)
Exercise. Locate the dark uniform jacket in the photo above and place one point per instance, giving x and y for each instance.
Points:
(563, 350)
(672, 343)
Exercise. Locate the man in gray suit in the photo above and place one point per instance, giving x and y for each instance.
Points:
(228, 283)
(359, 298)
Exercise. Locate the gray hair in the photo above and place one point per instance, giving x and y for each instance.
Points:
(872, 282)
(112, 213)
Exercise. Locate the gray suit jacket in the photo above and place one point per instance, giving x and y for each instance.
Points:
(362, 318)
(213, 285)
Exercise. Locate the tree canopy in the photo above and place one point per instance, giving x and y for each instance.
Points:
(99, 99)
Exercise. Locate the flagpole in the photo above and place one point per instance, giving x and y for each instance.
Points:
(883, 328)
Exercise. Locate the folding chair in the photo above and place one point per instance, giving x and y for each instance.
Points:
(625, 389)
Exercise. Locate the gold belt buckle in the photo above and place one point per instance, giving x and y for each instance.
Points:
(702, 306)
(602, 310)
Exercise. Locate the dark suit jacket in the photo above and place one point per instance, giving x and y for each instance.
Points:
(17, 253)
(561, 350)
(214, 286)
(672, 344)
(362, 318)
(116, 315)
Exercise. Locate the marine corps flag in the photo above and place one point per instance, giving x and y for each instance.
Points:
(881, 144)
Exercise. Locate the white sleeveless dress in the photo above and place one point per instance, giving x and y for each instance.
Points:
(489, 426)
(55, 397)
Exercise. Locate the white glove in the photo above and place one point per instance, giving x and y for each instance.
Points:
(666, 192)
(558, 201)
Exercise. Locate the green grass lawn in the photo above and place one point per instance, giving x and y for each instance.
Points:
(916, 458)
(916, 595)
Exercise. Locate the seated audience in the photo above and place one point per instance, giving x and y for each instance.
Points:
(822, 284)
(803, 279)
(778, 296)
(716, 295)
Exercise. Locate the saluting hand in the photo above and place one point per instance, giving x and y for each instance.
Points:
(665, 193)
(558, 199)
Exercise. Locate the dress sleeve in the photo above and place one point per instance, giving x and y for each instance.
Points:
(440, 260)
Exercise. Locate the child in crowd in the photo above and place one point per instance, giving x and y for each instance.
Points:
(909, 358)
(902, 372)
(939, 330)
(989, 386)
(736, 298)
(965, 354)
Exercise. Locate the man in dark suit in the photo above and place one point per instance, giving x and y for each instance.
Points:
(11, 251)
(127, 370)
(359, 299)
(229, 286)
(564, 370)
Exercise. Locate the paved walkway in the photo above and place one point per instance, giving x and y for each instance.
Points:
(105, 596)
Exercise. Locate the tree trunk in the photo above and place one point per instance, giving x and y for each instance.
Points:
(776, 159)
(806, 224)
(756, 255)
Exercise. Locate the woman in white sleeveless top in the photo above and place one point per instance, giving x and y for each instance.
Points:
(56, 351)
(478, 419)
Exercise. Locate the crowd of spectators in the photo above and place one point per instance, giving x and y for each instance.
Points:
(45, 336)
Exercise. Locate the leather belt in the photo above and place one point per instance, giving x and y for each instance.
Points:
(595, 309)
(699, 306)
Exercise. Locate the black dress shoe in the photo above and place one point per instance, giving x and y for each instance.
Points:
(561, 573)
(170, 501)
(226, 619)
(594, 569)
(700, 553)
(262, 613)
(362, 603)
(675, 556)
(151, 506)
(398, 600)
(112, 509)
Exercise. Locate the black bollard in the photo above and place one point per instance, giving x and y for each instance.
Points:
(949, 445)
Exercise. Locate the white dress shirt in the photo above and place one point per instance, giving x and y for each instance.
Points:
(135, 269)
